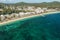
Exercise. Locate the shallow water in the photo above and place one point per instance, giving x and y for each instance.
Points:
(38, 28)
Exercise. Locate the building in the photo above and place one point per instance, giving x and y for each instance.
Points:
(21, 14)
(2, 18)
(1, 10)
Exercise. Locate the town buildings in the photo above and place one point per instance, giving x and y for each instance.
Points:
(29, 10)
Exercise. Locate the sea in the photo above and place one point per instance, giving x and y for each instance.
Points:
(45, 27)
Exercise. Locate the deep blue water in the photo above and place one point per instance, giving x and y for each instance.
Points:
(36, 28)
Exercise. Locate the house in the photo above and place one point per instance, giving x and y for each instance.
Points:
(45, 9)
(32, 13)
(12, 16)
(16, 15)
(40, 10)
(12, 7)
(1, 10)
(6, 7)
(37, 11)
(7, 17)
(18, 8)
(31, 8)
(51, 10)
(2, 18)
(21, 14)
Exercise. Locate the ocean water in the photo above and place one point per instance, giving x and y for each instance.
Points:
(37, 28)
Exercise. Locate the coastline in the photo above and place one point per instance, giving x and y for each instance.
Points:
(28, 17)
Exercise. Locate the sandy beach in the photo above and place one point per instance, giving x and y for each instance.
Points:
(29, 17)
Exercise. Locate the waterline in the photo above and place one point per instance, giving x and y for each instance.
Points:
(43, 14)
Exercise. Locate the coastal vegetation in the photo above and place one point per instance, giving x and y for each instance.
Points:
(44, 27)
(22, 9)
(43, 4)
(49, 5)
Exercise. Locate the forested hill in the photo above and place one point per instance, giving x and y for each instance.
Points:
(43, 4)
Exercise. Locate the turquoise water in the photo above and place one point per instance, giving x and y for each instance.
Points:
(36, 28)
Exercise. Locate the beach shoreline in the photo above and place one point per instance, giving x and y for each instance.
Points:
(42, 14)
